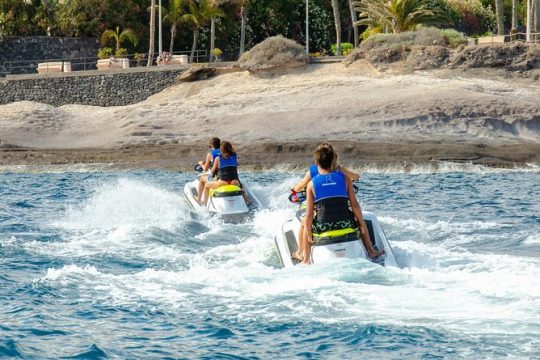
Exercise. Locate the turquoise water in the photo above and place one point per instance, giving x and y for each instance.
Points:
(113, 265)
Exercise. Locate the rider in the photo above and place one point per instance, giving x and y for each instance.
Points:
(310, 174)
(226, 166)
(329, 196)
(212, 154)
(207, 164)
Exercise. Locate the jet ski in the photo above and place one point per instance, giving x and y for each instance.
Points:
(225, 201)
(328, 246)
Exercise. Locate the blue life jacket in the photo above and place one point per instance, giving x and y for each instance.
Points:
(330, 185)
(228, 167)
(214, 153)
(331, 198)
(313, 171)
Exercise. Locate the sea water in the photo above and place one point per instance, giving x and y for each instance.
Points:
(103, 264)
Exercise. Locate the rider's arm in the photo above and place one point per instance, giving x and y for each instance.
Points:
(207, 162)
(357, 211)
(350, 174)
(310, 204)
(302, 184)
(215, 166)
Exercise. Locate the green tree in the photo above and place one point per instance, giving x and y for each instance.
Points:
(90, 18)
(243, 6)
(152, 39)
(354, 20)
(199, 13)
(499, 12)
(214, 12)
(46, 17)
(174, 15)
(398, 15)
(17, 18)
(337, 24)
(119, 37)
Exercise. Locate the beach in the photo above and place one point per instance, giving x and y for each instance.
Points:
(277, 118)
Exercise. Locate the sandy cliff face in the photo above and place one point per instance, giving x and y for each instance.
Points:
(318, 102)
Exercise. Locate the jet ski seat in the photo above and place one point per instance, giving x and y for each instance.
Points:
(226, 190)
(343, 235)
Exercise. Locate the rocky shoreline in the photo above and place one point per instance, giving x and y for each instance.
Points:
(182, 157)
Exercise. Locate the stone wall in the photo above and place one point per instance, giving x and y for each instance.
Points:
(20, 55)
(99, 88)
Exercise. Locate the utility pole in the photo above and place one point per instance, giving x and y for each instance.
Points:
(160, 35)
(307, 27)
(529, 20)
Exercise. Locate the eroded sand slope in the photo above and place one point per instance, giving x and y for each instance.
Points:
(320, 102)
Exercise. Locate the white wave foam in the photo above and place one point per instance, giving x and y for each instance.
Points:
(434, 167)
(8, 243)
(532, 240)
(469, 293)
(127, 202)
(60, 168)
(440, 286)
(117, 219)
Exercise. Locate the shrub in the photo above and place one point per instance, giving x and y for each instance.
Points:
(121, 53)
(273, 52)
(346, 48)
(370, 31)
(216, 53)
(474, 18)
(454, 37)
(428, 36)
(139, 58)
(105, 53)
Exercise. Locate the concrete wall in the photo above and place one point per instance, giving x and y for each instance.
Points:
(18, 55)
(99, 88)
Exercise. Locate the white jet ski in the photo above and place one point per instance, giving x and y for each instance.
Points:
(226, 201)
(330, 245)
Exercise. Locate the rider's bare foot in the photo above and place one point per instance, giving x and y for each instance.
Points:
(298, 256)
(375, 254)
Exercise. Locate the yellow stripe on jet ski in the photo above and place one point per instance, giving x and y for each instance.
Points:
(335, 233)
(227, 188)
(224, 189)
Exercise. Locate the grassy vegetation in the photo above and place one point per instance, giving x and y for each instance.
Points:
(427, 36)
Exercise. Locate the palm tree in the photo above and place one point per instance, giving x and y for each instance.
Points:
(398, 15)
(119, 37)
(198, 15)
(215, 13)
(174, 16)
(353, 22)
(152, 33)
(514, 15)
(243, 16)
(500, 16)
(337, 22)
(537, 17)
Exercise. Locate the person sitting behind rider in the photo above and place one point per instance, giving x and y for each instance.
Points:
(207, 163)
(311, 173)
(212, 154)
(329, 196)
(226, 166)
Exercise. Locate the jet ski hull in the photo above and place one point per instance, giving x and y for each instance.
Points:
(350, 246)
(228, 206)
